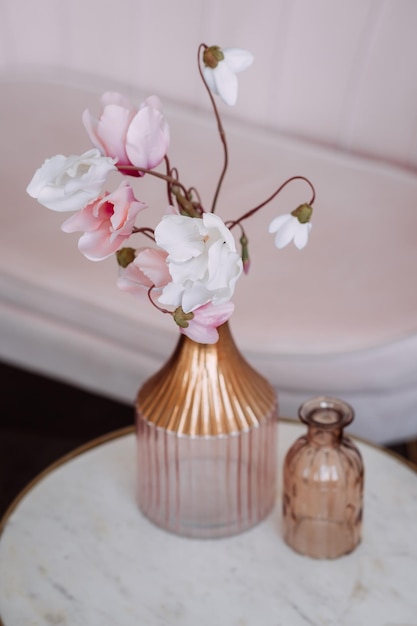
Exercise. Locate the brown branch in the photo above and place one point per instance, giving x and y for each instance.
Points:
(220, 129)
(232, 223)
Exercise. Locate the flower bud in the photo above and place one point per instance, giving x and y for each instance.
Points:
(125, 256)
(181, 318)
(303, 213)
(212, 56)
(245, 253)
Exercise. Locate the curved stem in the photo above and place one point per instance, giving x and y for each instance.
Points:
(162, 310)
(148, 232)
(169, 173)
(197, 203)
(166, 177)
(220, 129)
(233, 223)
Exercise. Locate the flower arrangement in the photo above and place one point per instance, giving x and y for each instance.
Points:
(191, 268)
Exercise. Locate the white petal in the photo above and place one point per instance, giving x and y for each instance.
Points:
(195, 297)
(208, 74)
(286, 233)
(224, 268)
(237, 59)
(180, 236)
(226, 83)
(171, 295)
(279, 221)
(212, 221)
(191, 270)
(301, 236)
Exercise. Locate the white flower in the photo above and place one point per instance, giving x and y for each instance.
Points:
(220, 69)
(202, 260)
(288, 228)
(70, 183)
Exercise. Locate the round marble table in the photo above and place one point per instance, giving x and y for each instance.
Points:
(75, 550)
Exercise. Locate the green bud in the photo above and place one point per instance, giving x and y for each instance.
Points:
(125, 256)
(181, 318)
(212, 56)
(244, 242)
(186, 207)
(303, 213)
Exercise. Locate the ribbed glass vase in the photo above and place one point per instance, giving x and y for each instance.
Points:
(323, 480)
(206, 436)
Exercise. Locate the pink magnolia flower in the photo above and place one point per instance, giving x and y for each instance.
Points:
(107, 222)
(149, 269)
(207, 318)
(134, 136)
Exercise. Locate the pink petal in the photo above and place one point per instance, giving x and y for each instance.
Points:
(112, 128)
(133, 280)
(147, 138)
(82, 220)
(152, 263)
(203, 327)
(97, 245)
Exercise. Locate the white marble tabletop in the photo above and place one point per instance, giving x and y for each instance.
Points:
(76, 551)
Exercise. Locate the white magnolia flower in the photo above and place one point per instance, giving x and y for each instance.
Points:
(220, 69)
(70, 183)
(202, 260)
(289, 228)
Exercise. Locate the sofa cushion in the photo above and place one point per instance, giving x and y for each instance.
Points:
(338, 317)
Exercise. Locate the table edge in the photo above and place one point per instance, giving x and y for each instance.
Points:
(85, 447)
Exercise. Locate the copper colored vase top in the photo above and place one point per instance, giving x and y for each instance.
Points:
(206, 389)
(323, 483)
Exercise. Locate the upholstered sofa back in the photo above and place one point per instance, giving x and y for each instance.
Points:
(336, 72)
(331, 95)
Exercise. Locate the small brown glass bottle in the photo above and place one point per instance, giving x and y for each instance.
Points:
(323, 483)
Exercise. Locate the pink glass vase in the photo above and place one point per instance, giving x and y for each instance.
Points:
(206, 436)
(323, 483)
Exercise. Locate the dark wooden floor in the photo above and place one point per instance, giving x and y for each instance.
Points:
(42, 419)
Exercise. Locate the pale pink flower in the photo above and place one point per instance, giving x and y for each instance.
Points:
(207, 318)
(134, 136)
(148, 269)
(107, 222)
(108, 132)
(147, 138)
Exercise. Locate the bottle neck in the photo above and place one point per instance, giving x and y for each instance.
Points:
(324, 436)
(325, 424)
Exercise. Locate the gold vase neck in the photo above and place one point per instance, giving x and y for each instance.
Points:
(206, 390)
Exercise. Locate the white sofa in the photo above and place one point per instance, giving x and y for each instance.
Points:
(331, 95)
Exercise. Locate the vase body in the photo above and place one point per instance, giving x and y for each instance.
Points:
(206, 436)
(323, 483)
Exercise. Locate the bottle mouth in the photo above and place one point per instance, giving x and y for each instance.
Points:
(326, 412)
